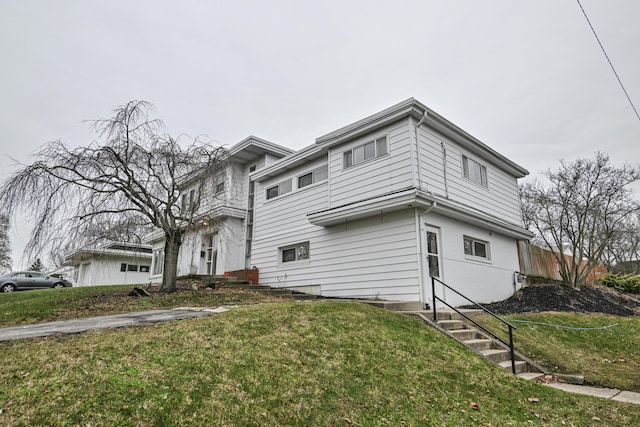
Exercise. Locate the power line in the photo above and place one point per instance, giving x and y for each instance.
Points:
(608, 60)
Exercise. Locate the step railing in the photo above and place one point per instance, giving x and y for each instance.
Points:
(507, 324)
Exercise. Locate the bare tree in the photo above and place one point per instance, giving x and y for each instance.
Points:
(583, 208)
(134, 178)
(624, 249)
(5, 245)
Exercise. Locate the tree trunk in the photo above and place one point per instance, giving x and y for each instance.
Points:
(171, 248)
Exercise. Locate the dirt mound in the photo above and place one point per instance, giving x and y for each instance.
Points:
(538, 298)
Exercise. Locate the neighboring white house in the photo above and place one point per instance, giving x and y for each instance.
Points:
(221, 238)
(370, 210)
(115, 264)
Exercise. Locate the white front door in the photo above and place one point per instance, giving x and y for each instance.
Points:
(211, 253)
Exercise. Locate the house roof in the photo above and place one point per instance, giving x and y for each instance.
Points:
(417, 110)
(118, 249)
(252, 147)
(407, 108)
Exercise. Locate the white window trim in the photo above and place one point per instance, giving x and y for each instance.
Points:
(473, 257)
(484, 172)
(297, 262)
(377, 156)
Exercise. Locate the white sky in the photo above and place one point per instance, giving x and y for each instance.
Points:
(525, 77)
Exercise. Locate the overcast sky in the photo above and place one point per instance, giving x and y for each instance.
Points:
(526, 77)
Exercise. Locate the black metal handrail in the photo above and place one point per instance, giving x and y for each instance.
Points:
(509, 325)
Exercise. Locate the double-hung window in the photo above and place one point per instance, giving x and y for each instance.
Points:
(316, 175)
(296, 252)
(475, 248)
(158, 261)
(366, 151)
(279, 189)
(474, 171)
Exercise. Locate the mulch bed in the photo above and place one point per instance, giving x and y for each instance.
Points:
(539, 298)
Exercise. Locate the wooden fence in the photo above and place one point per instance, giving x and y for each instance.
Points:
(537, 262)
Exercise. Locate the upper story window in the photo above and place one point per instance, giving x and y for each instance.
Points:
(219, 187)
(476, 248)
(366, 151)
(316, 175)
(279, 189)
(474, 170)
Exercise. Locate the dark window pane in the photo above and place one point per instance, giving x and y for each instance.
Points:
(288, 255)
(305, 180)
(432, 243)
(480, 249)
(132, 267)
(123, 267)
(434, 268)
(272, 192)
(144, 268)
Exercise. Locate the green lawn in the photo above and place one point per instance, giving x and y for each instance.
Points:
(606, 357)
(27, 307)
(286, 364)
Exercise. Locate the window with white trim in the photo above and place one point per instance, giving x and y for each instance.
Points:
(316, 175)
(279, 189)
(474, 171)
(297, 252)
(476, 248)
(366, 151)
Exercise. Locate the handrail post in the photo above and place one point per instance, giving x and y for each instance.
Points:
(513, 356)
(433, 298)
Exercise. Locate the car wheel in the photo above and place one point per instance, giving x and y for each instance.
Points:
(58, 285)
(8, 288)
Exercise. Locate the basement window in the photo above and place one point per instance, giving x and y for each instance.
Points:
(297, 252)
(476, 249)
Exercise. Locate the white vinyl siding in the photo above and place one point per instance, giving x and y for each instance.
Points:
(379, 176)
(500, 198)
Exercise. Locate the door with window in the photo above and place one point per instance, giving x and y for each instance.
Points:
(433, 252)
(434, 262)
(211, 253)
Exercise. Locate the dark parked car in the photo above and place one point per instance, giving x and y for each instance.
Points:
(19, 280)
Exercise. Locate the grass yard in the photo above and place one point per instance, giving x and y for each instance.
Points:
(288, 364)
(19, 308)
(607, 357)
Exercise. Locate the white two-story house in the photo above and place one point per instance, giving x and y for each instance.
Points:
(371, 210)
(220, 239)
(376, 208)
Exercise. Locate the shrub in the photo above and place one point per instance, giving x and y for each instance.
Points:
(624, 283)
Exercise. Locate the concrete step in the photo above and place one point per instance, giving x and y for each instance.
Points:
(531, 376)
(521, 366)
(450, 325)
(478, 344)
(496, 355)
(465, 334)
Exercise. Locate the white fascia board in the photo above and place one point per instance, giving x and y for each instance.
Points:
(413, 198)
(387, 203)
(287, 163)
(267, 146)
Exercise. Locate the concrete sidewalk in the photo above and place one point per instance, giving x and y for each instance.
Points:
(76, 326)
(604, 393)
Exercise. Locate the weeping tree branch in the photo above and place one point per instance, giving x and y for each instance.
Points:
(131, 180)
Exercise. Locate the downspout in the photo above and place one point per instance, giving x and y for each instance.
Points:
(444, 169)
(421, 257)
(416, 129)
